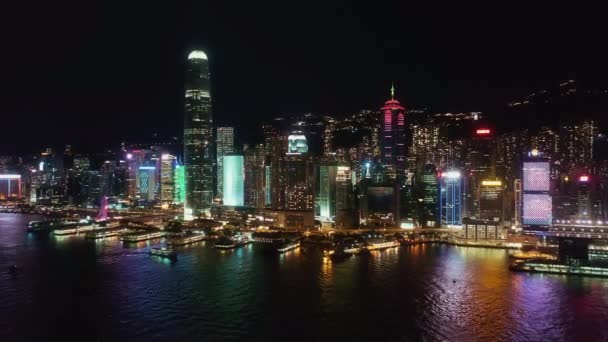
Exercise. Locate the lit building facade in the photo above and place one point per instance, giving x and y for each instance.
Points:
(537, 203)
(392, 139)
(167, 178)
(334, 195)
(234, 180)
(224, 145)
(10, 186)
(179, 181)
(255, 176)
(492, 200)
(451, 198)
(147, 183)
(198, 137)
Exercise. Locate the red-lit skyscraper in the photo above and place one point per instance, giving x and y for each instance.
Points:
(393, 136)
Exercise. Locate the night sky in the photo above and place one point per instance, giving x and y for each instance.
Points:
(95, 75)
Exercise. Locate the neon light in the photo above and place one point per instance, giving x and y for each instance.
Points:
(483, 131)
(129, 155)
(491, 183)
(147, 168)
(451, 174)
(10, 176)
(583, 178)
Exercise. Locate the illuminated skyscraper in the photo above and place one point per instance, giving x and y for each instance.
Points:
(147, 182)
(451, 198)
(537, 204)
(167, 177)
(584, 198)
(198, 137)
(225, 145)
(179, 181)
(255, 189)
(233, 180)
(392, 138)
(491, 200)
(334, 195)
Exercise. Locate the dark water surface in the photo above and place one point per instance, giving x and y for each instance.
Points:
(72, 288)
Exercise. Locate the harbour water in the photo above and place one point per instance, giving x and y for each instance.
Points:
(72, 288)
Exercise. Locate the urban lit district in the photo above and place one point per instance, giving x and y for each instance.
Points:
(376, 179)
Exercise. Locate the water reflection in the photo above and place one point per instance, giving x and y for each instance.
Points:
(419, 292)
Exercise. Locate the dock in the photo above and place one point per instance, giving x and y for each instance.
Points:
(141, 236)
(186, 240)
(105, 233)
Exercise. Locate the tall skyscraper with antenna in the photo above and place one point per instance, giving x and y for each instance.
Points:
(199, 149)
(392, 139)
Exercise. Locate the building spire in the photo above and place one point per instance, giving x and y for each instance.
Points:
(392, 90)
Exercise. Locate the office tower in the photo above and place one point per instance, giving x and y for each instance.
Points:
(392, 139)
(147, 183)
(234, 179)
(584, 201)
(546, 140)
(135, 159)
(255, 176)
(179, 182)
(492, 200)
(298, 176)
(224, 145)
(328, 136)
(480, 161)
(167, 179)
(275, 148)
(428, 212)
(335, 200)
(451, 198)
(198, 137)
(425, 139)
(537, 204)
(10, 186)
(576, 145)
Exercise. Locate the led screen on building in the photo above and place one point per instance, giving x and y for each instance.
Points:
(537, 209)
(536, 176)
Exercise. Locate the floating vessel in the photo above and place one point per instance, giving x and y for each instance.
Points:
(43, 226)
(382, 245)
(225, 242)
(288, 246)
(545, 267)
(164, 252)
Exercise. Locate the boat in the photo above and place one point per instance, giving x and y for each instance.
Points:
(287, 246)
(44, 226)
(226, 242)
(164, 252)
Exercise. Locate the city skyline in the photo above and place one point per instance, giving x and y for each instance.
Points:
(281, 171)
(343, 64)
